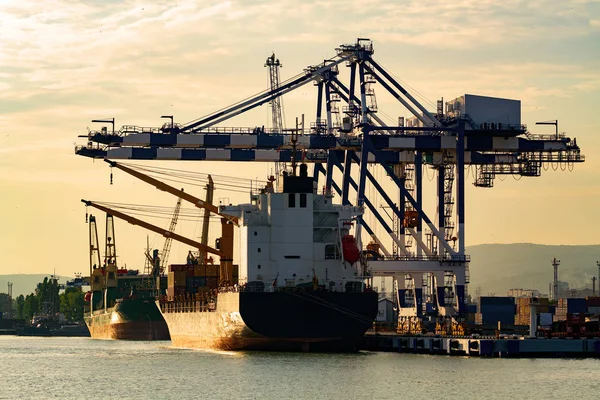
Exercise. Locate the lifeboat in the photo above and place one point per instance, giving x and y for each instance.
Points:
(350, 249)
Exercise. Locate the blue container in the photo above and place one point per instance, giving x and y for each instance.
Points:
(505, 318)
(472, 308)
(576, 305)
(552, 309)
(496, 301)
(498, 309)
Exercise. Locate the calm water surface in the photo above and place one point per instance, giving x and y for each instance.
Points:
(95, 369)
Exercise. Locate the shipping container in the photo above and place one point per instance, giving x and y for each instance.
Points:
(495, 309)
(593, 310)
(545, 319)
(486, 112)
(492, 319)
(495, 301)
(176, 278)
(195, 281)
(593, 301)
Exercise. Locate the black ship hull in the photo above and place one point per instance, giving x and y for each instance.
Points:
(283, 320)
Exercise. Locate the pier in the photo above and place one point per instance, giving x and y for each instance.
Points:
(505, 346)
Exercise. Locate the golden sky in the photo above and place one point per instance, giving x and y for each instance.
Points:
(64, 63)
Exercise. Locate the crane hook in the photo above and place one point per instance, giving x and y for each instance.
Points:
(86, 215)
(111, 176)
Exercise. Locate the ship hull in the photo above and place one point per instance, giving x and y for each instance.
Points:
(281, 321)
(129, 319)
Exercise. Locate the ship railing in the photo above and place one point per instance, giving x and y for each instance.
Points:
(188, 306)
(444, 258)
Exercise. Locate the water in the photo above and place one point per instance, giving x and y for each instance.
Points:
(83, 368)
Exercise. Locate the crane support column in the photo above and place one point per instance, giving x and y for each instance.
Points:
(459, 287)
(440, 289)
(440, 205)
(328, 108)
(366, 144)
(332, 159)
(418, 291)
(400, 281)
(319, 106)
(352, 86)
(460, 166)
(346, 177)
(419, 195)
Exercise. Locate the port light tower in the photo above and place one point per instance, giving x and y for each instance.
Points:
(555, 264)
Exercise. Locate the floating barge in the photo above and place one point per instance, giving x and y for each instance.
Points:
(513, 346)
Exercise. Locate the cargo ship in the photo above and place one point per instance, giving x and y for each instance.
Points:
(301, 283)
(121, 303)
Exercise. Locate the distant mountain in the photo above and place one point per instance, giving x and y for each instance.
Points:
(496, 268)
(24, 284)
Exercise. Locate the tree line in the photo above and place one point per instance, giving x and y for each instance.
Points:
(46, 300)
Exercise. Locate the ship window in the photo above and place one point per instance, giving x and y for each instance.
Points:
(255, 233)
(292, 200)
(259, 249)
(258, 266)
(331, 252)
(303, 200)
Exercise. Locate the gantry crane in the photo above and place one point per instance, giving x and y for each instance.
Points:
(446, 142)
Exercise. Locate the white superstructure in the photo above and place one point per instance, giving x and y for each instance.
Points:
(295, 238)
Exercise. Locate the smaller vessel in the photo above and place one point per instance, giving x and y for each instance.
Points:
(121, 303)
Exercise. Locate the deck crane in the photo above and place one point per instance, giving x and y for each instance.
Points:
(158, 266)
(225, 251)
(170, 189)
(210, 189)
(169, 240)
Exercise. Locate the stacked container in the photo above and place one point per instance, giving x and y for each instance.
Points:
(176, 284)
(569, 306)
(496, 309)
(523, 315)
(593, 305)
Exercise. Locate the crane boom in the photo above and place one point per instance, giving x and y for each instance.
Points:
(154, 228)
(170, 189)
(210, 188)
(168, 240)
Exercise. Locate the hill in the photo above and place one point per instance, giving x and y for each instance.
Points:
(496, 268)
(24, 284)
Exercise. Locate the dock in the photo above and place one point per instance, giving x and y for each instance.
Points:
(507, 346)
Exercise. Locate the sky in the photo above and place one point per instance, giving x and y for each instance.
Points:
(64, 63)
